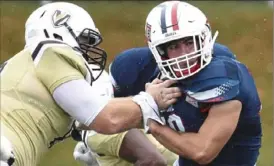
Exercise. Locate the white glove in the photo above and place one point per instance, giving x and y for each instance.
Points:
(87, 133)
(6, 151)
(3, 163)
(149, 108)
(82, 153)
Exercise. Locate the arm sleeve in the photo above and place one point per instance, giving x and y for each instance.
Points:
(80, 100)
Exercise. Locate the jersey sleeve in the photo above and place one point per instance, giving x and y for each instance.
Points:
(218, 82)
(57, 64)
(214, 91)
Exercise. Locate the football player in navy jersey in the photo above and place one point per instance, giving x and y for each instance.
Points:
(217, 120)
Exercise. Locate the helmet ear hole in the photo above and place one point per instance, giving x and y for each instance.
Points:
(162, 50)
(56, 36)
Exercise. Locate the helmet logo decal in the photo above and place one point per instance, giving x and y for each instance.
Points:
(173, 20)
(174, 17)
(148, 32)
(59, 18)
(163, 19)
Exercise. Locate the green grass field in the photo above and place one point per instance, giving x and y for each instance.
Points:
(246, 27)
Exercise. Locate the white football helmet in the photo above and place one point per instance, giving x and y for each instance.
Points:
(174, 20)
(70, 24)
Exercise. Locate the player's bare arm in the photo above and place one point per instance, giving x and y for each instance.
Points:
(109, 116)
(204, 146)
(121, 114)
(137, 149)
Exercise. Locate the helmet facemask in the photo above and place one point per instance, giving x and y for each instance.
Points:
(189, 63)
(88, 40)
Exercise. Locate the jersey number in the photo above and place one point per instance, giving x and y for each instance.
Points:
(176, 123)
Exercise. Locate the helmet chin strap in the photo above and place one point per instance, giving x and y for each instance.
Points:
(85, 54)
(214, 37)
(70, 31)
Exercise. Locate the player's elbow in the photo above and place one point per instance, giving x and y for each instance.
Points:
(204, 157)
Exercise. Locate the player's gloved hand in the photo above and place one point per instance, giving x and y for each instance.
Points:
(162, 92)
(6, 152)
(148, 107)
(158, 95)
(148, 104)
(83, 154)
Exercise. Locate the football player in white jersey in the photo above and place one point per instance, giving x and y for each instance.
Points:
(47, 85)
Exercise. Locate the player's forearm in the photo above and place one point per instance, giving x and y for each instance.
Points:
(119, 115)
(189, 145)
(137, 149)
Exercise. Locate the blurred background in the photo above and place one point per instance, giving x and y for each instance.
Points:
(245, 27)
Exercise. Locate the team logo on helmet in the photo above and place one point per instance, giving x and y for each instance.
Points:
(148, 32)
(59, 18)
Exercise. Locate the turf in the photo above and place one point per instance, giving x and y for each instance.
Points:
(246, 27)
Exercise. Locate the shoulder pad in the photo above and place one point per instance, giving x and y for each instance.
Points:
(36, 48)
(127, 65)
(54, 47)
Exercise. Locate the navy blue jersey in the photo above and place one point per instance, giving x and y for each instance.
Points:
(223, 79)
